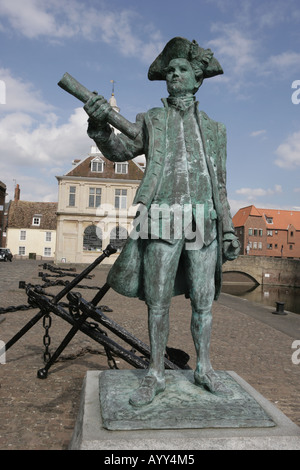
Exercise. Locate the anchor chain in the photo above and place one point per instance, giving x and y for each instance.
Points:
(47, 322)
(110, 359)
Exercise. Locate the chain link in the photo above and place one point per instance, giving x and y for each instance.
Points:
(75, 312)
(47, 321)
(13, 308)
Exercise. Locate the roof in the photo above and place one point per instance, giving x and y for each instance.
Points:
(83, 169)
(21, 214)
(239, 219)
(281, 218)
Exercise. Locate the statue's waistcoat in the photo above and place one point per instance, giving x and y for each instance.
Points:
(155, 124)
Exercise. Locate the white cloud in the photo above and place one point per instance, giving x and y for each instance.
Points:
(57, 20)
(236, 204)
(40, 18)
(289, 152)
(253, 193)
(236, 49)
(258, 133)
(22, 96)
(25, 141)
(285, 62)
(240, 45)
(33, 143)
(34, 157)
(30, 20)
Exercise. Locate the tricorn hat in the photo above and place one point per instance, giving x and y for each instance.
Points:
(181, 48)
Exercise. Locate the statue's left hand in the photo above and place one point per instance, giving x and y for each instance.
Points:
(231, 249)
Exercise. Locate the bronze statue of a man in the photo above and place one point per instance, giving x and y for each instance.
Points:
(186, 158)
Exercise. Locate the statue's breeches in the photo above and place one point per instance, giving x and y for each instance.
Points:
(161, 262)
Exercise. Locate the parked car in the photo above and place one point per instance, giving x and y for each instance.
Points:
(5, 254)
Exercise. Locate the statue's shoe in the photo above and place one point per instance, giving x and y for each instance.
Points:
(211, 382)
(149, 387)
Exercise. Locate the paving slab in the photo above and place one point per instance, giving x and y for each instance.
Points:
(41, 414)
(278, 432)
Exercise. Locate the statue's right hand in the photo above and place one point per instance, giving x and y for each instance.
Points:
(97, 108)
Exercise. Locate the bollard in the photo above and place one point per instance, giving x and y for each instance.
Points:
(280, 309)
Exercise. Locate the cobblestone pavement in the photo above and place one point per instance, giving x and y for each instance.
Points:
(40, 414)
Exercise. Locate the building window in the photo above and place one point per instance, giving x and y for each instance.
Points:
(270, 233)
(255, 232)
(260, 245)
(97, 166)
(95, 197)
(118, 237)
(250, 231)
(36, 221)
(292, 234)
(269, 219)
(47, 251)
(269, 246)
(72, 194)
(120, 198)
(254, 245)
(22, 251)
(260, 232)
(291, 247)
(22, 234)
(48, 236)
(121, 168)
(92, 238)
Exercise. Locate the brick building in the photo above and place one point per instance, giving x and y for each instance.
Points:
(268, 232)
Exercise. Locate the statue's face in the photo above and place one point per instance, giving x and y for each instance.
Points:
(180, 78)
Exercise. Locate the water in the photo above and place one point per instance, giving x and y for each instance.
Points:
(267, 295)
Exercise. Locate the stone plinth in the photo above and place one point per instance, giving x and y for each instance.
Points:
(194, 420)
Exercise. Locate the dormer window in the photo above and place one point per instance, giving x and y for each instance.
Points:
(269, 220)
(36, 221)
(121, 168)
(97, 165)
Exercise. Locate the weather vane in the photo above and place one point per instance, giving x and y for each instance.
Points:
(113, 86)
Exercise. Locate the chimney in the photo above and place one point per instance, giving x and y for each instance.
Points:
(17, 193)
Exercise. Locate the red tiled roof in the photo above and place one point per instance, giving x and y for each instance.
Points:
(239, 219)
(281, 218)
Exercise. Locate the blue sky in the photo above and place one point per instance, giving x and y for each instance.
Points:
(257, 43)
